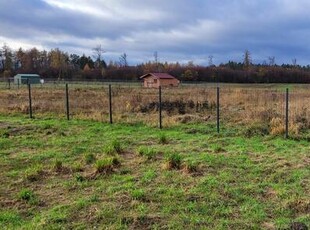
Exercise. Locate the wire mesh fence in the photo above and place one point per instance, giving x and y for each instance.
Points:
(244, 105)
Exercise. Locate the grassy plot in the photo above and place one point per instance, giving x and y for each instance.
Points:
(86, 174)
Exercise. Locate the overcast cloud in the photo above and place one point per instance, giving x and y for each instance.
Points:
(179, 30)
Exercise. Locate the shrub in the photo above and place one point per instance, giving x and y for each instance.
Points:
(173, 161)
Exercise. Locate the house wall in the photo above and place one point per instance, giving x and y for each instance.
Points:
(151, 82)
(24, 79)
(169, 82)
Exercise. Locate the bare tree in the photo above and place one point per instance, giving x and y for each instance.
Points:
(210, 60)
(123, 60)
(98, 52)
(294, 61)
(247, 61)
(272, 60)
(156, 61)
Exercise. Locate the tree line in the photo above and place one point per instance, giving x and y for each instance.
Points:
(57, 64)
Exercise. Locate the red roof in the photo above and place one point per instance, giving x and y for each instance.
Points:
(158, 76)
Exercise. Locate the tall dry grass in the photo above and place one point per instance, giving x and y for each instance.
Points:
(239, 105)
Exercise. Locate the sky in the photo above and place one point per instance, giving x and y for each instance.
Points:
(178, 30)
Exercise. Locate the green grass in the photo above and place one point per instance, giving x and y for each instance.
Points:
(57, 174)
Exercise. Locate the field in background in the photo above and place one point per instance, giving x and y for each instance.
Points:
(240, 104)
(80, 174)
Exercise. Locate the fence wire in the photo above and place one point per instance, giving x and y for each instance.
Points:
(245, 105)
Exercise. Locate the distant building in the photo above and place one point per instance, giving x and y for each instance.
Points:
(154, 80)
(27, 78)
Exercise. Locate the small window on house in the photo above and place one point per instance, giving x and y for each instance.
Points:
(155, 81)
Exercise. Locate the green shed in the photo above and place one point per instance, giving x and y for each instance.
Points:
(24, 78)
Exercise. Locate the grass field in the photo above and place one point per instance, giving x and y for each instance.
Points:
(243, 105)
(86, 174)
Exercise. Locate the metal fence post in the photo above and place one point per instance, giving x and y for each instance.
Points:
(67, 102)
(286, 112)
(110, 104)
(9, 80)
(160, 108)
(30, 101)
(17, 83)
(218, 109)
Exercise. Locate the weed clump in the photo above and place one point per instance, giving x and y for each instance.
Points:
(113, 148)
(107, 165)
(79, 178)
(277, 127)
(163, 139)
(138, 194)
(77, 167)
(256, 130)
(173, 161)
(147, 152)
(219, 149)
(28, 196)
(34, 173)
(90, 158)
(58, 167)
(190, 166)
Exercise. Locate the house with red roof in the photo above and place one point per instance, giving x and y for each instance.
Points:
(154, 80)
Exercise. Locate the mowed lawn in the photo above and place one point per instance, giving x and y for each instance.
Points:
(57, 174)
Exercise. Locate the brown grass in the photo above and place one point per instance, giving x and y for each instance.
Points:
(239, 104)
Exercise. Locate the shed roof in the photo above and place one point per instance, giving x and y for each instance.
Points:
(158, 76)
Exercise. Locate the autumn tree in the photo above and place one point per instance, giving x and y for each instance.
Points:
(6, 57)
(59, 62)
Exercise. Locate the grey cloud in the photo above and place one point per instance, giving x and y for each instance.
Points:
(177, 29)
